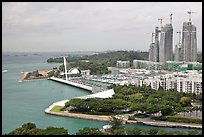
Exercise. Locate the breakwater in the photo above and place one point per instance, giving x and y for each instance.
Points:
(73, 83)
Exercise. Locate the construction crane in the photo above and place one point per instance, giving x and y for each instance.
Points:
(153, 36)
(179, 32)
(171, 18)
(160, 21)
(190, 12)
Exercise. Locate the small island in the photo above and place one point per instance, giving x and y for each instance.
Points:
(38, 74)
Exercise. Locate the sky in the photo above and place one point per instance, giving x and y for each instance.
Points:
(91, 26)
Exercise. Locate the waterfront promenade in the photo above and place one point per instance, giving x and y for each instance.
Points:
(143, 121)
(151, 122)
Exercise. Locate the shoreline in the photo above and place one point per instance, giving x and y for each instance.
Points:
(106, 118)
(103, 118)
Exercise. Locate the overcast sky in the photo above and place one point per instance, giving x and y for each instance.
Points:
(91, 26)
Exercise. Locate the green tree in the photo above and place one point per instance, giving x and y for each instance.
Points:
(193, 132)
(119, 131)
(185, 101)
(51, 73)
(133, 131)
(120, 104)
(89, 131)
(138, 97)
(166, 110)
(29, 126)
(164, 132)
(153, 131)
(25, 129)
(31, 129)
(115, 123)
(135, 107)
(53, 131)
(56, 73)
(151, 108)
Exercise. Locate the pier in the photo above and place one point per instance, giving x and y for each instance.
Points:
(75, 84)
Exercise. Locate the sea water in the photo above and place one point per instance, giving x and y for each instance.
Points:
(26, 101)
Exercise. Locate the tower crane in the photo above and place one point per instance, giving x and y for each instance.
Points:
(179, 32)
(190, 12)
(171, 18)
(153, 34)
(160, 21)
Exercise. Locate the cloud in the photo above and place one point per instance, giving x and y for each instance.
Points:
(90, 25)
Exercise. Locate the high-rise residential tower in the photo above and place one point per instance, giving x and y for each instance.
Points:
(156, 46)
(189, 42)
(166, 43)
(178, 55)
(151, 49)
(151, 55)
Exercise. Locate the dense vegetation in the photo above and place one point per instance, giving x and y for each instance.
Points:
(31, 129)
(89, 131)
(179, 119)
(143, 99)
(116, 129)
(96, 68)
(98, 63)
(109, 57)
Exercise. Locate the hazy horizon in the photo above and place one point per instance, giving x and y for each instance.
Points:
(91, 26)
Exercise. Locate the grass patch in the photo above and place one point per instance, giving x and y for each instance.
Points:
(56, 109)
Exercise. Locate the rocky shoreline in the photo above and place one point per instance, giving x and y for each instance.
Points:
(82, 116)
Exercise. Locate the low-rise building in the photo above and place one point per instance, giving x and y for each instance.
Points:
(85, 72)
(123, 64)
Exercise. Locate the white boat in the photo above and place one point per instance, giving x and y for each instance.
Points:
(4, 70)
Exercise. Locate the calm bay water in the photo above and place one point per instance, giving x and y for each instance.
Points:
(26, 101)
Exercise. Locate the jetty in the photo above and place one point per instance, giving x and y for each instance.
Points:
(73, 83)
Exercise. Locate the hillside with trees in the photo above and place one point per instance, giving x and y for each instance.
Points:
(108, 57)
(98, 63)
